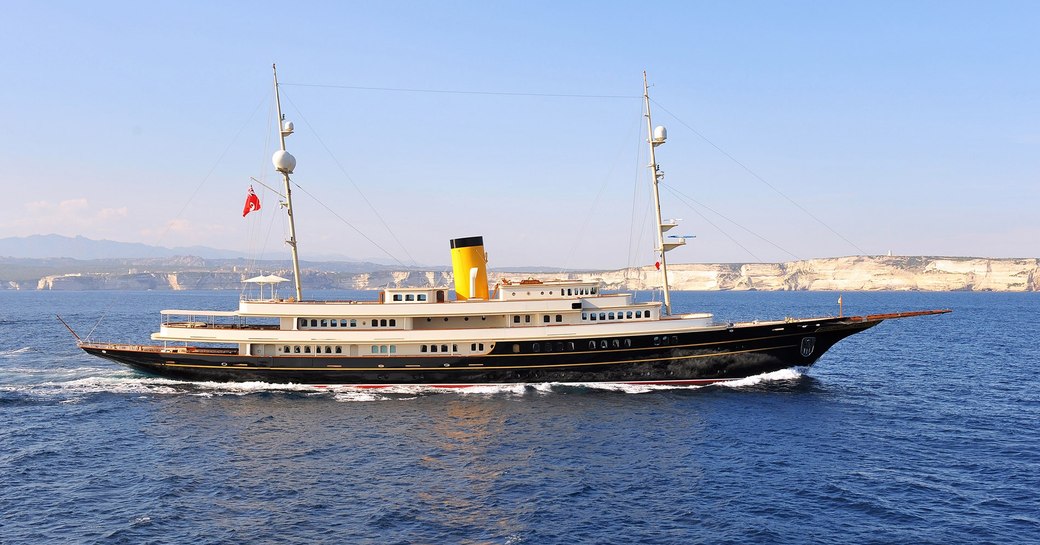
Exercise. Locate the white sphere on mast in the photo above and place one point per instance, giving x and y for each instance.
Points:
(660, 135)
(283, 161)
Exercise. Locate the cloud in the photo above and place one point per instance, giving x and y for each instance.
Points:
(68, 216)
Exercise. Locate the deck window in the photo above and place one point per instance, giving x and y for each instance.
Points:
(421, 297)
(353, 323)
(422, 348)
(584, 315)
(397, 297)
(307, 350)
(324, 323)
(296, 349)
(444, 348)
(629, 315)
(610, 316)
(592, 345)
(285, 349)
(527, 318)
(433, 348)
(602, 315)
(409, 297)
(603, 344)
(592, 316)
(545, 318)
(516, 319)
(516, 348)
(339, 349)
(375, 349)
(393, 348)
(535, 347)
(382, 349)
(559, 318)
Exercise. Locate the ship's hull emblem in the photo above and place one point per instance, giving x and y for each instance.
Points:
(808, 344)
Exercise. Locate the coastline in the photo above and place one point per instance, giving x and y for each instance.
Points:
(853, 273)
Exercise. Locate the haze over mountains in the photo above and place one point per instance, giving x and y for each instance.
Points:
(128, 266)
(59, 246)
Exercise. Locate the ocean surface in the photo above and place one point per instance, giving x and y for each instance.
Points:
(923, 430)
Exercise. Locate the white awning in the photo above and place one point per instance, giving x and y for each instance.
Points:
(267, 279)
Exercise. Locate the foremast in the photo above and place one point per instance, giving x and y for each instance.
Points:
(284, 162)
(656, 137)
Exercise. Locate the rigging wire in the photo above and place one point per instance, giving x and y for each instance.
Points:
(458, 91)
(357, 188)
(688, 200)
(720, 229)
(348, 224)
(211, 169)
(759, 178)
(592, 207)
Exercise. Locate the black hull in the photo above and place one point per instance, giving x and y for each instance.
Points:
(701, 356)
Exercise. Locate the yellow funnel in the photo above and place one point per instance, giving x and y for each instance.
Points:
(469, 264)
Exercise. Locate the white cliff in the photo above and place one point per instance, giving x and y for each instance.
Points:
(835, 274)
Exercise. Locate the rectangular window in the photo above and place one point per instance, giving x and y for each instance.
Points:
(545, 318)
(353, 323)
(382, 323)
(559, 318)
(393, 323)
(516, 319)
(433, 348)
(592, 316)
(629, 315)
(610, 316)
(324, 323)
(307, 350)
(397, 297)
(481, 345)
(454, 348)
(285, 349)
(421, 297)
(422, 348)
(409, 297)
(444, 348)
(314, 323)
(584, 315)
(527, 318)
(382, 349)
(393, 348)
(473, 347)
(602, 315)
(375, 349)
(339, 349)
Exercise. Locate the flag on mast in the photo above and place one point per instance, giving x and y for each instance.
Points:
(252, 202)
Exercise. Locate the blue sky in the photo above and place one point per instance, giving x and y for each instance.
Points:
(910, 127)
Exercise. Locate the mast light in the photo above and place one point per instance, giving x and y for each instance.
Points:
(287, 128)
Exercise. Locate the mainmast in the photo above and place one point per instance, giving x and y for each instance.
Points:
(656, 137)
(284, 162)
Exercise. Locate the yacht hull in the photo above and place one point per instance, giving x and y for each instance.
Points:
(697, 357)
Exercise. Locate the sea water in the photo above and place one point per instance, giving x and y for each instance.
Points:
(923, 430)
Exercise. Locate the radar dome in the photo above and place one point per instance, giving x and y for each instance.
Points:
(284, 161)
(660, 134)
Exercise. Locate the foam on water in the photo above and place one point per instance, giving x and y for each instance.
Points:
(15, 352)
(105, 380)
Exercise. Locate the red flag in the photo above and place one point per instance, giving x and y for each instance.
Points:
(658, 265)
(252, 202)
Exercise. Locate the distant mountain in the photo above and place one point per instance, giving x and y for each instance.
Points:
(52, 246)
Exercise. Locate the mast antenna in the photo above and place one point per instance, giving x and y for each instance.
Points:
(284, 162)
(656, 137)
